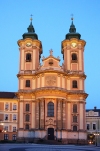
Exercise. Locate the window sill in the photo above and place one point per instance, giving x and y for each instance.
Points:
(50, 116)
(74, 61)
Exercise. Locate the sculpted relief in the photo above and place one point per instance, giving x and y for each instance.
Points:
(51, 80)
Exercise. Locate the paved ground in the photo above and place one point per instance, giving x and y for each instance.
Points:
(38, 147)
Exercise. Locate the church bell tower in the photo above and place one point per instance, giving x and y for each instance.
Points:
(73, 55)
(30, 52)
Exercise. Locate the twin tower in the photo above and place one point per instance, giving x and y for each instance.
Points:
(51, 97)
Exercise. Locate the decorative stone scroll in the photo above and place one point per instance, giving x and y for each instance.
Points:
(50, 122)
(51, 80)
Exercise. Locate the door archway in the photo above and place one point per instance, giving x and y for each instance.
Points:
(50, 133)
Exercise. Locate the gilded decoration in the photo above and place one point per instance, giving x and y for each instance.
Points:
(51, 80)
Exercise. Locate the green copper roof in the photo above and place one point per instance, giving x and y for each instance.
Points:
(72, 32)
(31, 32)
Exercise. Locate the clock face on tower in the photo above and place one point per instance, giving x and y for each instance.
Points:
(28, 44)
(74, 44)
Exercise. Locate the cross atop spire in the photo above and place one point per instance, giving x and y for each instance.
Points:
(31, 17)
(72, 17)
(72, 31)
(72, 27)
(51, 52)
(31, 31)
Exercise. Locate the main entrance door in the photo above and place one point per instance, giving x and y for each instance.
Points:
(50, 134)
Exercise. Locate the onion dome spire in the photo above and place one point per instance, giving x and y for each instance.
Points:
(31, 31)
(72, 32)
(72, 27)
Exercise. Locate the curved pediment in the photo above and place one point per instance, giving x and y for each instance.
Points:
(50, 62)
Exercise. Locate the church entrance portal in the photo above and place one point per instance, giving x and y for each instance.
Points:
(50, 134)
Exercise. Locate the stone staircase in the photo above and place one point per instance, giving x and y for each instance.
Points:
(50, 142)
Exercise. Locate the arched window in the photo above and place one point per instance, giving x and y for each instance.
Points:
(27, 118)
(28, 57)
(50, 109)
(27, 126)
(27, 107)
(75, 128)
(74, 56)
(74, 84)
(74, 108)
(75, 118)
(27, 83)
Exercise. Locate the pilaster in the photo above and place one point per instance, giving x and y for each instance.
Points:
(33, 116)
(42, 109)
(37, 114)
(59, 114)
(63, 114)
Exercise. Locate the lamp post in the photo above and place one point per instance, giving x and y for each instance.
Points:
(96, 138)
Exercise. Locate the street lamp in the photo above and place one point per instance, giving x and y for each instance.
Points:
(1, 125)
(96, 138)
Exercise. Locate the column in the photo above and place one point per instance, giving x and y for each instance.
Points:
(42, 114)
(63, 114)
(37, 114)
(69, 115)
(59, 118)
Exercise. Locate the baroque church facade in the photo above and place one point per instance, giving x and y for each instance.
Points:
(51, 98)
